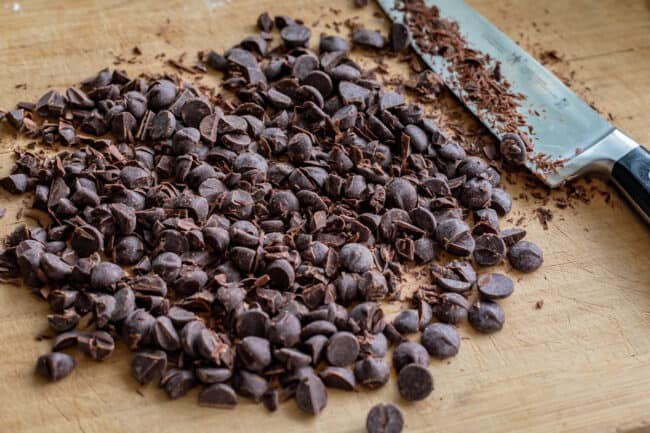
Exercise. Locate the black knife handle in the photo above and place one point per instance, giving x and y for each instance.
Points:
(632, 174)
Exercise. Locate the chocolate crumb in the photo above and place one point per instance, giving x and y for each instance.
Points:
(544, 215)
(549, 57)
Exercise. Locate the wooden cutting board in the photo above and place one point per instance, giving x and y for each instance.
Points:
(580, 363)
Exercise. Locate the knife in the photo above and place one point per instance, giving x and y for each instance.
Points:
(568, 131)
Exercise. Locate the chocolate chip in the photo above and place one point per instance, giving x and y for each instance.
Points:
(490, 250)
(249, 384)
(148, 365)
(284, 330)
(454, 236)
(353, 94)
(451, 308)
(525, 256)
(162, 126)
(495, 286)
(161, 94)
(513, 149)
(194, 111)
(414, 382)
(138, 329)
(424, 250)
(281, 21)
(55, 366)
(252, 322)
(372, 372)
(441, 340)
(356, 257)
(339, 378)
(368, 38)
(342, 349)
(330, 43)
(98, 345)
(185, 140)
(512, 235)
(409, 352)
(292, 359)
(318, 327)
(265, 22)
(399, 37)
(385, 418)
(295, 35)
(402, 194)
(501, 201)
(315, 346)
(373, 286)
(129, 250)
(165, 335)
(105, 274)
(178, 382)
(304, 65)
(271, 399)
(486, 317)
(311, 395)
(86, 240)
(476, 193)
(211, 375)
(375, 344)
(208, 127)
(254, 353)
(282, 274)
(218, 395)
(407, 321)
(167, 265)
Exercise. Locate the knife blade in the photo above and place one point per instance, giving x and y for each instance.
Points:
(565, 128)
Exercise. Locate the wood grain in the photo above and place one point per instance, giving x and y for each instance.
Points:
(580, 364)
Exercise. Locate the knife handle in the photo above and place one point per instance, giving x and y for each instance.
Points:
(632, 175)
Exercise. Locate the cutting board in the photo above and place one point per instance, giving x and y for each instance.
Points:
(580, 363)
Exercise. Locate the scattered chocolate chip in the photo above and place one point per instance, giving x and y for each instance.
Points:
(409, 352)
(385, 418)
(441, 340)
(295, 35)
(490, 250)
(55, 366)
(368, 38)
(495, 286)
(525, 256)
(414, 382)
(486, 316)
(224, 240)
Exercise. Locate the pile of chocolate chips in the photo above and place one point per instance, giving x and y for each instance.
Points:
(244, 245)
